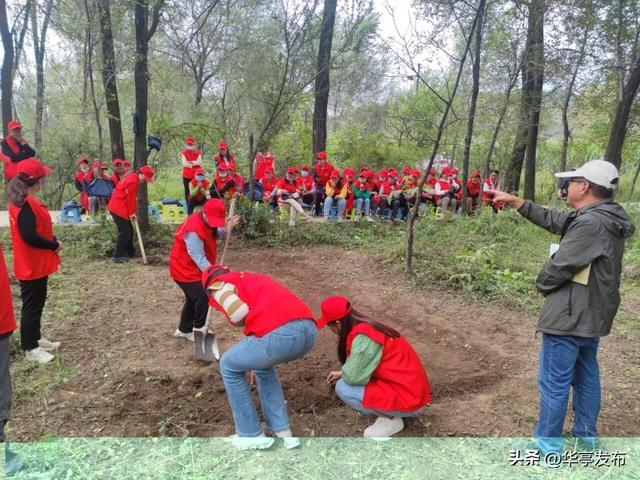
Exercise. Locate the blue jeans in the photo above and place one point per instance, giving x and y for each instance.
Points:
(288, 342)
(328, 204)
(352, 395)
(367, 206)
(567, 361)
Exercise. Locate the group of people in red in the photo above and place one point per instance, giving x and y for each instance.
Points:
(381, 373)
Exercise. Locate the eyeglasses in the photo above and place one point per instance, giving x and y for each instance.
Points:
(578, 180)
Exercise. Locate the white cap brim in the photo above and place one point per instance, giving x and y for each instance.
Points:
(570, 174)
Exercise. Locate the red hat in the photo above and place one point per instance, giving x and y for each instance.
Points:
(321, 155)
(221, 167)
(13, 124)
(269, 170)
(333, 309)
(216, 212)
(475, 173)
(383, 173)
(371, 174)
(198, 170)
(189, 141)
(305, 168)
(455, 171)
(126, 162)
(212, 272)
(392, 172)
(232, 167)
(82, 160)
(363, 173)
(406, 171)
(415, 173)
(148, 173)
(222, 144)
(446, 171)
(117, 161)
(335, 173)
(99, 165)
(32, 168)
(349, 172)
(292, 170)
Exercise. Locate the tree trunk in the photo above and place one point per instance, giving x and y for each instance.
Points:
(322, 78)
(623, 109)
(21, 36)
(536, 66)
(96, 108)
(109, 81)
(567, 99)
(39, 40)
(472, 108)
(635, 179)
(436, 145)
(6, 83)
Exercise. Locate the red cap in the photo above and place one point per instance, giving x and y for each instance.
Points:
(446, 171)
(475, 173)
(32, 168)
(269, 170)
(321, 155)
(304, 168)
(371, 174)
(100, 165)
(148, 173)
(363, 173)
(221, 167)
(406, 171)
(349, 172)
(292, 170)
(216, 212)
(392, 172)
(455, 171)
(190, 141)
(232, 167)
(198, 170)
(13, 124)
(222, 145)
(126, 162)
(383, 173)
(333, 309)
(335, 173)
(117, 161)
(416, 173)
(212, 272)
(82, 160)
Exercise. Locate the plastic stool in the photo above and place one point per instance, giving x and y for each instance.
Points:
(154, 212)
(70, 213)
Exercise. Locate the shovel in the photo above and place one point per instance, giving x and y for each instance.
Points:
(205, 340)
(134, 220)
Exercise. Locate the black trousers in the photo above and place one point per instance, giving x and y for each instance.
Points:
(192, 203)
(5, 383)
(318, 201)
(186, 182)
(196, 304)
(400, 202)
(34, 296)
(124, 241)
(384, 204)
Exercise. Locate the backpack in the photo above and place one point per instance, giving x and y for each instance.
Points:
(99, 187)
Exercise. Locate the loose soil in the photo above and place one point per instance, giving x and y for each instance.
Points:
(131, 377)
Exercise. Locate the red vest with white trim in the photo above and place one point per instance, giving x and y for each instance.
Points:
(270, 303)
(400, 382)
(124, 198)
(191, 156)
(31, 263)
(181, 266)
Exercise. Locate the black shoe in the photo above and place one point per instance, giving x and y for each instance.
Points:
(120, 259)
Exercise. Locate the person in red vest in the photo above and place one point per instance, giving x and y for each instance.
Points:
(278, 328)
(349, 177)
(446, 190)
(82, 179)
(191, 159)
(288, 195)
(238, 181)
(120, 168)
(474, 187)
(222, 183)
(381, 373)
(263, 160)
(198, 190)
(306, 186)
(382, 196)
(15, 149)
(269, 188)
(35, 254)
(321, 175)
(123, 205)
(194, 250)
(224, 156)
(7, 326)
(491, 184)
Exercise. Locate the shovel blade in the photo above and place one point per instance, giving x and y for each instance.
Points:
(206, 346)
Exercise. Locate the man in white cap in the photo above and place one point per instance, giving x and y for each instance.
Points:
(580, 283)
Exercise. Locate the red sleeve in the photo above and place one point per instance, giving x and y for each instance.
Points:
(281, 185)
(132, 194)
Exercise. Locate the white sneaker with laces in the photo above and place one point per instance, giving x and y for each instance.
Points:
(368, 219)
(289, 440)
(38, 355)
(261, 442)
(187, 336)
(45, 344)
(383, 428)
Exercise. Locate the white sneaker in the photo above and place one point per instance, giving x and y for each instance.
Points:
(368, 219)
(260, 442)
(340, 220)
(38, 355)
(179, 334)
(289, 440)
(383, 428)
(45, 344)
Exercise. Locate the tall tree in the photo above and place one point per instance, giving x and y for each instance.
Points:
(39, 42)
(24, 17)
(322, 84)
(89, 75)
(109, 81)
(144, 32)
(6, 80)
(536, 69)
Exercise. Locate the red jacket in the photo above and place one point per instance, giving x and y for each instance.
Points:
(31, 263)
(191, 156)
(7, 319)
(262, 163)
(124, 199)
(399, 382)
(322, 173)
(270, 303)
(115, 179)
(305, 184)
(268, 185)
(219, 160)
(181, 266)
(473, 189)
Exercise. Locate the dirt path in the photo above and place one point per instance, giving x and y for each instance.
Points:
(132, 378)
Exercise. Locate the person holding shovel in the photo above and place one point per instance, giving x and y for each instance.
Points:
(123, 205)
(194, 250)
(278, 328)
(35, 254)
(381, 373)
(198, 190)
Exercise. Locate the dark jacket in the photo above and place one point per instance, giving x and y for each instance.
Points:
(594, 235)
(24, 151)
